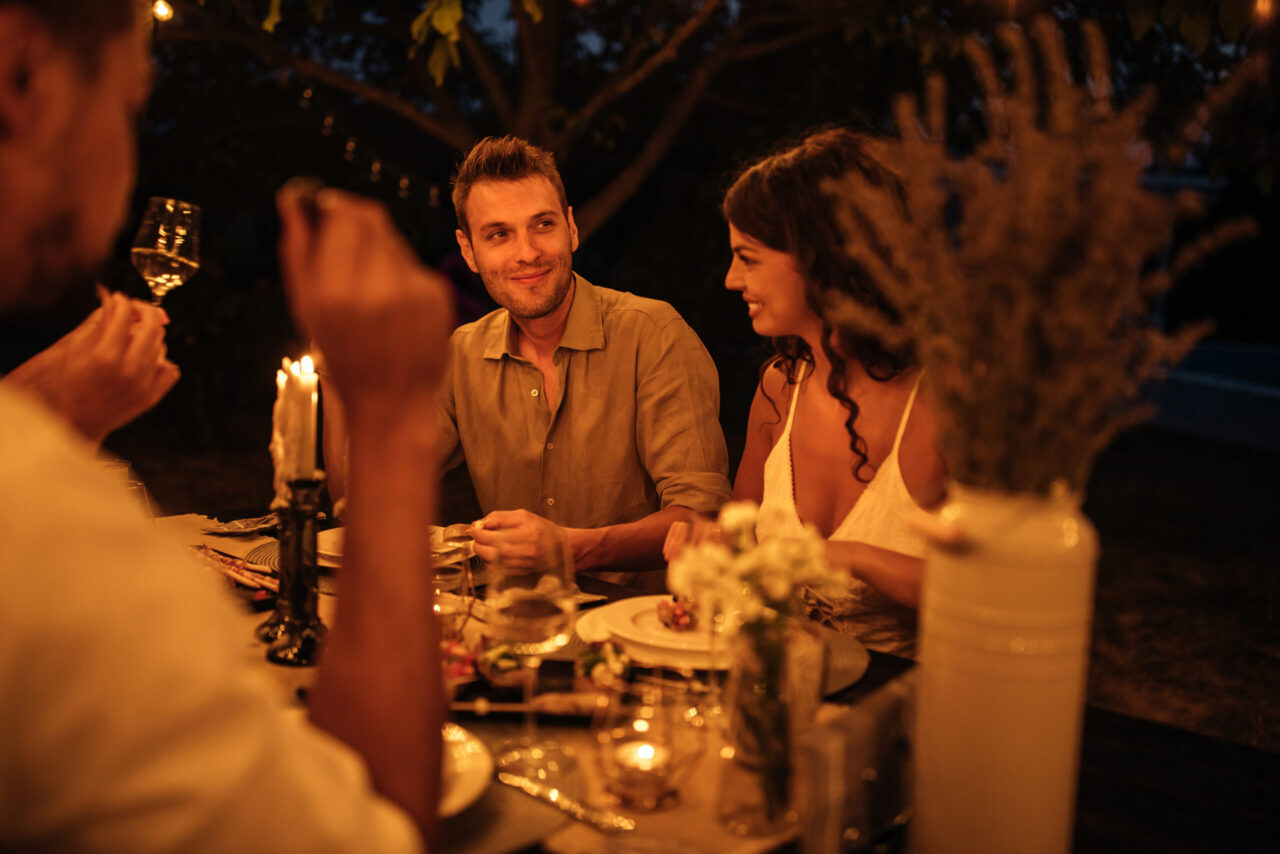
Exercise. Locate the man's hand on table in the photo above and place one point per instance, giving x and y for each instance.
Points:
(107, 371)
(523, 538)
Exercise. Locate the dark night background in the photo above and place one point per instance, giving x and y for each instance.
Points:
(1186, 628)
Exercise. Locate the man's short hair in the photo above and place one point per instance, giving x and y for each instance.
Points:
(503, 158)
(83, 26)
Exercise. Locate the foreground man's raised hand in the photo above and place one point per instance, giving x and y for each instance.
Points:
(107, 371)
(383, 322)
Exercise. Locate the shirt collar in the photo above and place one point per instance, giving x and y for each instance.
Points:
(583, 329)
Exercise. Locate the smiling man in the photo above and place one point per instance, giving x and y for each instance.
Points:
(573, 405)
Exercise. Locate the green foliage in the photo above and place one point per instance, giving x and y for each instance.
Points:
(443, 19)
(273, 17)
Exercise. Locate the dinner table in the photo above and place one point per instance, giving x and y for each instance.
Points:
(1143, 786)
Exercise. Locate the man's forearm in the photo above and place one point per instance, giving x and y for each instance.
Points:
(633, 546)
(379, 686)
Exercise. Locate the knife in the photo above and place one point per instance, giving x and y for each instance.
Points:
(602, 820)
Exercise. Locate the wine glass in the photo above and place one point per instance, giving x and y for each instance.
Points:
(166, 250)
(531, 611)
(454, 596)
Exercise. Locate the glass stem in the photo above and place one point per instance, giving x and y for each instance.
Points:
(531, 664)
(713, 675)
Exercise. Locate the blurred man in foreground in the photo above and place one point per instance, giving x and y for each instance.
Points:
(130, 719)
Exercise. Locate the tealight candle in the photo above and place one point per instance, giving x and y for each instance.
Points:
(640, 773)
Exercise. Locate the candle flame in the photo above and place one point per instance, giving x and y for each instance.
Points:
(162, 10)
(293, 368)
(640, 726)
(281, 379)
(308, 366)
(645, 751)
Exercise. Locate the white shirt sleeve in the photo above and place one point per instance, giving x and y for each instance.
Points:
(129, 717)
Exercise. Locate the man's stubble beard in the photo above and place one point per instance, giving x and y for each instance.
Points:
(539, 310)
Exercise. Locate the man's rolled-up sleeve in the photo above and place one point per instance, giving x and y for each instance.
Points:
(678, 433)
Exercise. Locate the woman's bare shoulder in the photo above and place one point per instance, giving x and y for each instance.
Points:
(773, 397)
(920, 455)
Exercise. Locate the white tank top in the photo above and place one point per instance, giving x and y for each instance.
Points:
(879, 516)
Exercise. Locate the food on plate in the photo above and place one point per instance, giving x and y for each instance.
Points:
(679, 615)
(601, 665)
(500, 665)
(459, 661)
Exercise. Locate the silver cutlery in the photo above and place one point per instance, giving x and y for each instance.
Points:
(602, 820)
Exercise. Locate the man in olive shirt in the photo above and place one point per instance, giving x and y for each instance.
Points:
(573, 405)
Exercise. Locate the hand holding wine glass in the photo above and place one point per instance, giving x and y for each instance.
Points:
(166, 250)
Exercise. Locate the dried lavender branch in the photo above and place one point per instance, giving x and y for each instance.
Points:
(1030, 313)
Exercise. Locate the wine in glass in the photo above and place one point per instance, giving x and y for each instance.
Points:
(166, 251)
(531, 611)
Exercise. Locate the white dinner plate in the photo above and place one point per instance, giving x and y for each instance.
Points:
(595, 625)
(636, 620)
(329, 544)
(467, 770)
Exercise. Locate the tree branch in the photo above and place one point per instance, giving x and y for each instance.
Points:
(454, 136)
(622, 83)
(488, 73)
(758, 49)
(605, 203)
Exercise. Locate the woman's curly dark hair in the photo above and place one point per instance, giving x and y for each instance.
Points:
(780, 201)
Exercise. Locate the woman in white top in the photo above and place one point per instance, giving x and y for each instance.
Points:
(838, 436)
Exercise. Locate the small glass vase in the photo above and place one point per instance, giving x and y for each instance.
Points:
(773, 692)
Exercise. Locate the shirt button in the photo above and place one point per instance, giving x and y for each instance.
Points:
(551, 446)
(533, 391)
(551, 502)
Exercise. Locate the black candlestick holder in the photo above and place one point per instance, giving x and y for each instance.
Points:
(294, 631)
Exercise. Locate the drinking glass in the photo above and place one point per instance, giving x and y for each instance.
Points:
(454, 596)
(532, 611)
(166, 250)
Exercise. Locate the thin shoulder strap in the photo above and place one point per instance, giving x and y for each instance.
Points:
(906, 413)
(795, 395)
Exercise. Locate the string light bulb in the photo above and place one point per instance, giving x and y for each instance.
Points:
(162, 11)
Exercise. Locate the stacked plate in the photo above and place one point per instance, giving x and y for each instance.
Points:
(329, 547)
(634, 625)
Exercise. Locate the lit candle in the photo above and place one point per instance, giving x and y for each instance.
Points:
(640, 774)
(307, 403)
(642, 756)
(293, 433)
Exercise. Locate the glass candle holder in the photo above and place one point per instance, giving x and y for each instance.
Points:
(648, 738)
